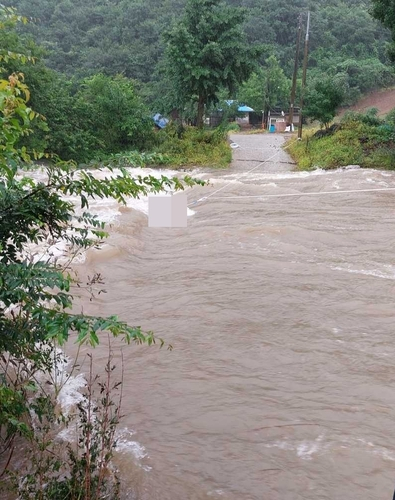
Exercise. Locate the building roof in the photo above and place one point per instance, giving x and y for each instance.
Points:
(242, 107)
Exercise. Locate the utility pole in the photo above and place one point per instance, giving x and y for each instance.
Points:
(305, 59)
(295, 74)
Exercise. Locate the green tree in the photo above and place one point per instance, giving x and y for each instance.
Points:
(112, 109)
(322, 100)
(84, 37)
(266, 88)
(98, 116)
(207, 50)
(384, 11)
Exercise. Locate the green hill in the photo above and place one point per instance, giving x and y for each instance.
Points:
(83, 37)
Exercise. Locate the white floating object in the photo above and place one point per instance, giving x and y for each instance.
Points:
(166, 210)
(234, 145)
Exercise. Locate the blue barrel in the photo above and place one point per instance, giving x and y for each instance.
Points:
(272, 128)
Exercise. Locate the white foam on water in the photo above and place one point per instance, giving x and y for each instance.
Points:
(139, 204)
(126, 444)
(385, 454)
(387, 275)
(228, 180)
(306, 449)
(67, 385)
(216, 492)
(282, 445)
(379, 182)
(381, 451)
(259, 176)
(107, 210)
(70, 395)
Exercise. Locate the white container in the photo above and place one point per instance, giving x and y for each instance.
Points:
(167, 210)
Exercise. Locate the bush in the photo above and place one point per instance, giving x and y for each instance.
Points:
(233, 127)
(390, 118)
(97, 116)
(69, 450)
(368, 118)
(359, 141)
(195, 147)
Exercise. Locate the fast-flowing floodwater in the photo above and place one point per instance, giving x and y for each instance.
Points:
(281, 312)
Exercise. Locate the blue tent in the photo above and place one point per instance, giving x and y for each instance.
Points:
(160, 121)
(244, 109)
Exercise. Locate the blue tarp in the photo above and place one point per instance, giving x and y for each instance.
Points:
(242, 108)
(160, 121)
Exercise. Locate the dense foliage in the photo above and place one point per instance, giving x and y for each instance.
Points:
(191, 146)
(207, 51)
(323, 98)
(267, 87)
(123, 36)
(384, 11)
(360, 139)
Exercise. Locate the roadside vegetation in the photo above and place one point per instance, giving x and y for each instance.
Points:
(359, 139)
(102, 70)
(190, 146)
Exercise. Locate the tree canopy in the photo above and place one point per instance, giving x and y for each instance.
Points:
(82, 38)
(322, 100)
(267, 87)
(206, 51)
(384, 11)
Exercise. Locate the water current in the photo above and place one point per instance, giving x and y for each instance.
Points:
(280, 309)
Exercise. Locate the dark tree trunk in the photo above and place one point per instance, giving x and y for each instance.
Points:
(200, 111)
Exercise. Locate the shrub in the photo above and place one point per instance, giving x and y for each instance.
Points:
(368, 118)
(197, 147)
(233, 127)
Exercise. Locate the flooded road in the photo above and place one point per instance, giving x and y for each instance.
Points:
(280, 309)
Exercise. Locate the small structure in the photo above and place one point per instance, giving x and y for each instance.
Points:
(243, 120)
(279, 119)
(244, 109)
(160, 121)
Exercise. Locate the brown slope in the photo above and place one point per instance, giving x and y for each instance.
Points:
(383, 100)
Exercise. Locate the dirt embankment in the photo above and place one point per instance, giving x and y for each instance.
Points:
(383, 100)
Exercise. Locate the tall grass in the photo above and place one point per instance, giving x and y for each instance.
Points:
(189, 146)
(360, 139)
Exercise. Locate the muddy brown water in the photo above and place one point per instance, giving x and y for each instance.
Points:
(280, 309)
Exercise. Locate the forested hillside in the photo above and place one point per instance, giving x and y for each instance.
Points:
(84, 37)
(103, 67)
